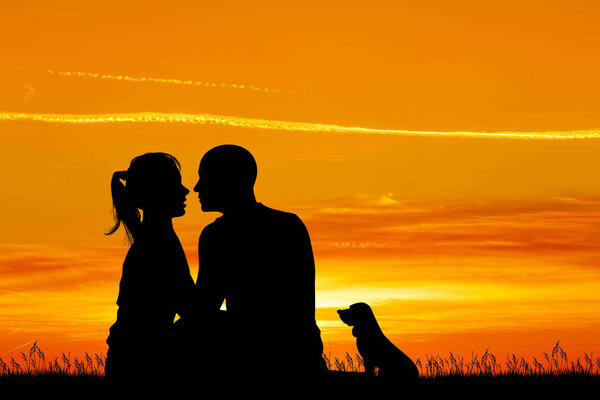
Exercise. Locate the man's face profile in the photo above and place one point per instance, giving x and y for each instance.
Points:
(210, 190)
(226, 176)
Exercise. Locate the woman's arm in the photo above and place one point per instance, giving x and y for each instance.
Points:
(186, 295)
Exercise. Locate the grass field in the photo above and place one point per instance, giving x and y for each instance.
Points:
(552, 375)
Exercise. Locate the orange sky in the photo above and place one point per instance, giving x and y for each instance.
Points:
(459, 243)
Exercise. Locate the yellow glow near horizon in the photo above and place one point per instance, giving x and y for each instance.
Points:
(256, 123)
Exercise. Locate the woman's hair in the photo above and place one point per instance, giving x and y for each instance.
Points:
(139, 177)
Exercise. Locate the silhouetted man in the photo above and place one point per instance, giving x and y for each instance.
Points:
(260, 262)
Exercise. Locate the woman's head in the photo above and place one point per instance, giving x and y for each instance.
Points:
(153, 185)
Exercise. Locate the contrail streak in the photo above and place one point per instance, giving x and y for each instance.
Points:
(255, 123)
(18, 347)
(172, 81)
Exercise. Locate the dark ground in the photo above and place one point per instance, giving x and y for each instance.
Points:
(337, 385)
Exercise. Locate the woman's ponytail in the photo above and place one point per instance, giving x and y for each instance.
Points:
(124, 210)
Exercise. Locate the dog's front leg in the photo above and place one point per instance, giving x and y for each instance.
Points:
(369, 368)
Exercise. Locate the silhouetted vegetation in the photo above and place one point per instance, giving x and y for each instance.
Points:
(34, 363)
(552, 372)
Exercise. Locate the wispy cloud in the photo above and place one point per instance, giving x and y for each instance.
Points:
(161, 80)
(391, 227)
(266, 124)
(29, 269)
(19, 347)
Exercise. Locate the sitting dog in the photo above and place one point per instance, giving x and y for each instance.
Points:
(375, 349)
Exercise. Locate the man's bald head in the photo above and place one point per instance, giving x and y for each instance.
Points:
(229, 163)
(227, 174)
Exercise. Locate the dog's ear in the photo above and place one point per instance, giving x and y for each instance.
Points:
(363, 311)
(362, 308)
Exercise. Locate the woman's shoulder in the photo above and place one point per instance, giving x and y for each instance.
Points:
(144, 258)
(141, 249)
(147, 239)
(154, 247)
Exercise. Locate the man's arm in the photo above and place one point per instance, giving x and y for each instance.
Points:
(306, 269)
(210, 297)
(310, 343)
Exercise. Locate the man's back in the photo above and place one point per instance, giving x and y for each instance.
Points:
(260, 261)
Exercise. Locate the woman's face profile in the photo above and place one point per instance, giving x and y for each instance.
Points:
(166, 195)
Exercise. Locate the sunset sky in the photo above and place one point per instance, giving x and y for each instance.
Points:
(460, 242)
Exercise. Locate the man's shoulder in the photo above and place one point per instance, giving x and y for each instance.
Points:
(212, 228)
(279, 215)
(265, 218)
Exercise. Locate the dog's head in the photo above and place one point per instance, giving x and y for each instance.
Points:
(356, 314)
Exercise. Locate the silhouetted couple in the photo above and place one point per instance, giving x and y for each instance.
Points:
(257, 260)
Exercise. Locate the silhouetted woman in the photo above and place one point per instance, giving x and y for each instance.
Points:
(156, 282)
